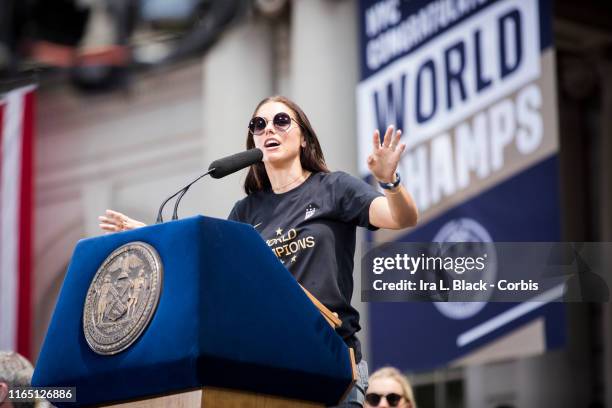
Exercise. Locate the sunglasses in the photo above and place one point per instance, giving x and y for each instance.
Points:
(373, 399)
(281, 122)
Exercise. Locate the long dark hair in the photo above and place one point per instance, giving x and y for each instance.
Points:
(311, 156)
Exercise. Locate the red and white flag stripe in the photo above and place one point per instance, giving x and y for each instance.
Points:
(16, 218)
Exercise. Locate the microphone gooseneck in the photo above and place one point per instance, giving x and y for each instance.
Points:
(217, 169)
(182, 192)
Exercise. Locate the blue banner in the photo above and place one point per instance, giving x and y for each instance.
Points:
(472, 85)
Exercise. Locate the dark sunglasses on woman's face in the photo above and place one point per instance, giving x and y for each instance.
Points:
(281, 122)
(373, 399)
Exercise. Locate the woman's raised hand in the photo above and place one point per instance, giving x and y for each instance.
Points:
(385, 157)
(113, 221)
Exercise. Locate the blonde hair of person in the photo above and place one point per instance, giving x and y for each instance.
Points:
(394, 373)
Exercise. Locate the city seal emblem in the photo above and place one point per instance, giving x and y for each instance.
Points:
(122, 298)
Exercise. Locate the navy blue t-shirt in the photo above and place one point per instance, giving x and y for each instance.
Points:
(311, 229)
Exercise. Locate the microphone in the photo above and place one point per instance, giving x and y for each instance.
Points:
(231, 164)
(217, 169)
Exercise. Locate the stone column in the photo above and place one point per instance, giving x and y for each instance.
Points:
(324, 74)
(238, 73)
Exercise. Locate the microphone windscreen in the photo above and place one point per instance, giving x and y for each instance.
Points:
(235, 162)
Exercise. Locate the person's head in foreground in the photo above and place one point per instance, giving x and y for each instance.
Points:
(15, 371)
(389, 388)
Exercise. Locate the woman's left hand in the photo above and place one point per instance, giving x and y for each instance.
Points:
(385, 157)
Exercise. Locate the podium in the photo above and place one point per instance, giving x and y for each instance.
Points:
(230, 324)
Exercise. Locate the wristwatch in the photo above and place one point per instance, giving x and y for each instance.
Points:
(393, 185)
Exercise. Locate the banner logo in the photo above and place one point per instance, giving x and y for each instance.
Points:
(466, 230)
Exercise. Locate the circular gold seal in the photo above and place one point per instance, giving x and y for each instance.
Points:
(122, 298)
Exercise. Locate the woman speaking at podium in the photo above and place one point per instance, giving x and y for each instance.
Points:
(308, 215)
